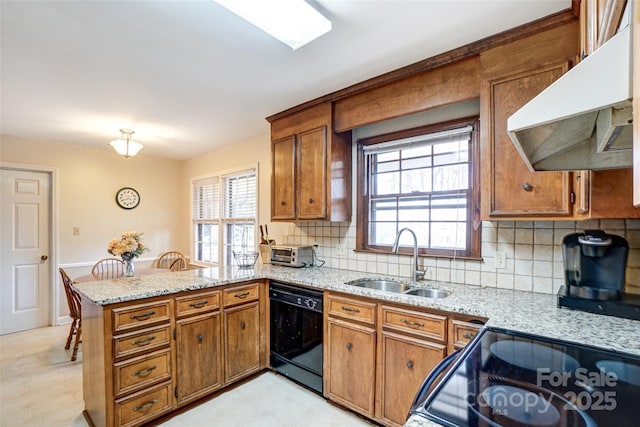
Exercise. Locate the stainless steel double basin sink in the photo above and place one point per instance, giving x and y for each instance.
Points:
(398, 287)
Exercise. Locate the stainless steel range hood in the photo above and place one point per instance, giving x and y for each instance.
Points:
(583, 120)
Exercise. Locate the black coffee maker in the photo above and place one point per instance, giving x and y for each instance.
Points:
(594, 264)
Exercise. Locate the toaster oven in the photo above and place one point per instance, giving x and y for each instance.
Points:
(291, 256)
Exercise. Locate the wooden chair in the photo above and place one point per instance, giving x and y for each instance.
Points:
(167, 259)
(75, 312)
(108, 268)
(178, 264)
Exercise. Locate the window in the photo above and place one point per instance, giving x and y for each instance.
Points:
(424, 179)
(224, 215)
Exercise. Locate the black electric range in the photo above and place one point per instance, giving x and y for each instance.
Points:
(627, 306)
(507, 378)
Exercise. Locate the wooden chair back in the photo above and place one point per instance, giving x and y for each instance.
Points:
(75, 313)
(108, 268)
(178, 264)
(167, 259)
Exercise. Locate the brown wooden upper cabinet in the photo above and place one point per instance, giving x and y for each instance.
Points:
(511, 75)
(311, 167)
(599, 21)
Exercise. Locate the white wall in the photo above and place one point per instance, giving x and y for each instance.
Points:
(244, 153)
(88, 179)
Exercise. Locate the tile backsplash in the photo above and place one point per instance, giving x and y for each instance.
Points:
(533, 252)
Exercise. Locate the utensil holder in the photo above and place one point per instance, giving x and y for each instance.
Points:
(265, 252)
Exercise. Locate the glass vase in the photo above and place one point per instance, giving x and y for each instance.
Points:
(128, 268)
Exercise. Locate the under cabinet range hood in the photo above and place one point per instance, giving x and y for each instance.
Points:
(584, 119)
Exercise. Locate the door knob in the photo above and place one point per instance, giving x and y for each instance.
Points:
(44, 258)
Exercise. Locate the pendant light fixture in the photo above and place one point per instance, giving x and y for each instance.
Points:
(125, 146)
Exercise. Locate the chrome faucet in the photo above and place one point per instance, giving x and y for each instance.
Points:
(396, 244)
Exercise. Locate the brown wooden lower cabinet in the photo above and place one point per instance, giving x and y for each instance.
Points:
(199, 356)
(143, 359)
(351, 354)
(404, 364)
(377, 354)
(242, 330)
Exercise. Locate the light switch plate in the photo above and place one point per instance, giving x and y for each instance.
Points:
(501, 260)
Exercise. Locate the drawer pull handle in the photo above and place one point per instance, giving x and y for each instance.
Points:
(242, 295)
(527, 186)
(410, 364)
(198, 304)
(145, 406)
(412, 323)
(349, 346)
(143, 316)
(144, 372)
(350, 310)
(468, 336)
(243, 325)
(143, 341)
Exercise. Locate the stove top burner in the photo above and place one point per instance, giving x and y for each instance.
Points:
(529, 355)
(627, 306)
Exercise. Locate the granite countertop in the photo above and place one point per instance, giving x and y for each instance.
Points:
(527, 312)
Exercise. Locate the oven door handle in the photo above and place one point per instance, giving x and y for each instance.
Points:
(433, 375)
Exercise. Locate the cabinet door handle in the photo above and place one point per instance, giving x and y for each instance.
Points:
(350, 310)
(144, 406)
(243, 325)
(349, 346)
(412, 323)
(143, 316)
(282, 203)
(310, 200)
(527, 186)
(410, 364)
(242, 295)
(144, 372)
(200, 338)
(143, 341)
(468, 336)
(198, 304)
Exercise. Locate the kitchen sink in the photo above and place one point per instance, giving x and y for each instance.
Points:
(380, 284)
(428, 293)
(398, 287)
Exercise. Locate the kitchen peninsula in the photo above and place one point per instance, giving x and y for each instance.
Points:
(163, 306)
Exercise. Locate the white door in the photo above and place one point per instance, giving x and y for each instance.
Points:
(24, 250)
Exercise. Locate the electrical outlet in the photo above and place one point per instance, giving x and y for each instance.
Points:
(76, 231)
(501, 260)
(340, 249)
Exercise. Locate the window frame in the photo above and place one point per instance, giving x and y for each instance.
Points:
(474, 229)
(222, 222)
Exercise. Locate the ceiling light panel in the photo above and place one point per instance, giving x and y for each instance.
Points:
(293, 22)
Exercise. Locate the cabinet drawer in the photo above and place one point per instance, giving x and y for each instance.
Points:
(135, 374)
(428, 325)
(143, 341)
(143, 406)
(463, 332)
(349, 308)
(203, 302)
(140, 315)
(240, 294)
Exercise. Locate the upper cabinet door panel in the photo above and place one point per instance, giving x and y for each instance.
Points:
(283, 179)
(312, 174)
(514, 190)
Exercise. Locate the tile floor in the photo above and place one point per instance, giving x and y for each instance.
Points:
(40, 386)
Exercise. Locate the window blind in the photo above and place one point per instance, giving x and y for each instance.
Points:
(206, 198)
(240, 196)
(459, 135)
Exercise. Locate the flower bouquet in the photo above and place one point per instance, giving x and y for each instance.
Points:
(128, 247)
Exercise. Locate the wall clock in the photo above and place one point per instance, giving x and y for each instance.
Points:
(127, 198)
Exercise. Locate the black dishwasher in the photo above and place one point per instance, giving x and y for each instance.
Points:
(296, 334)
